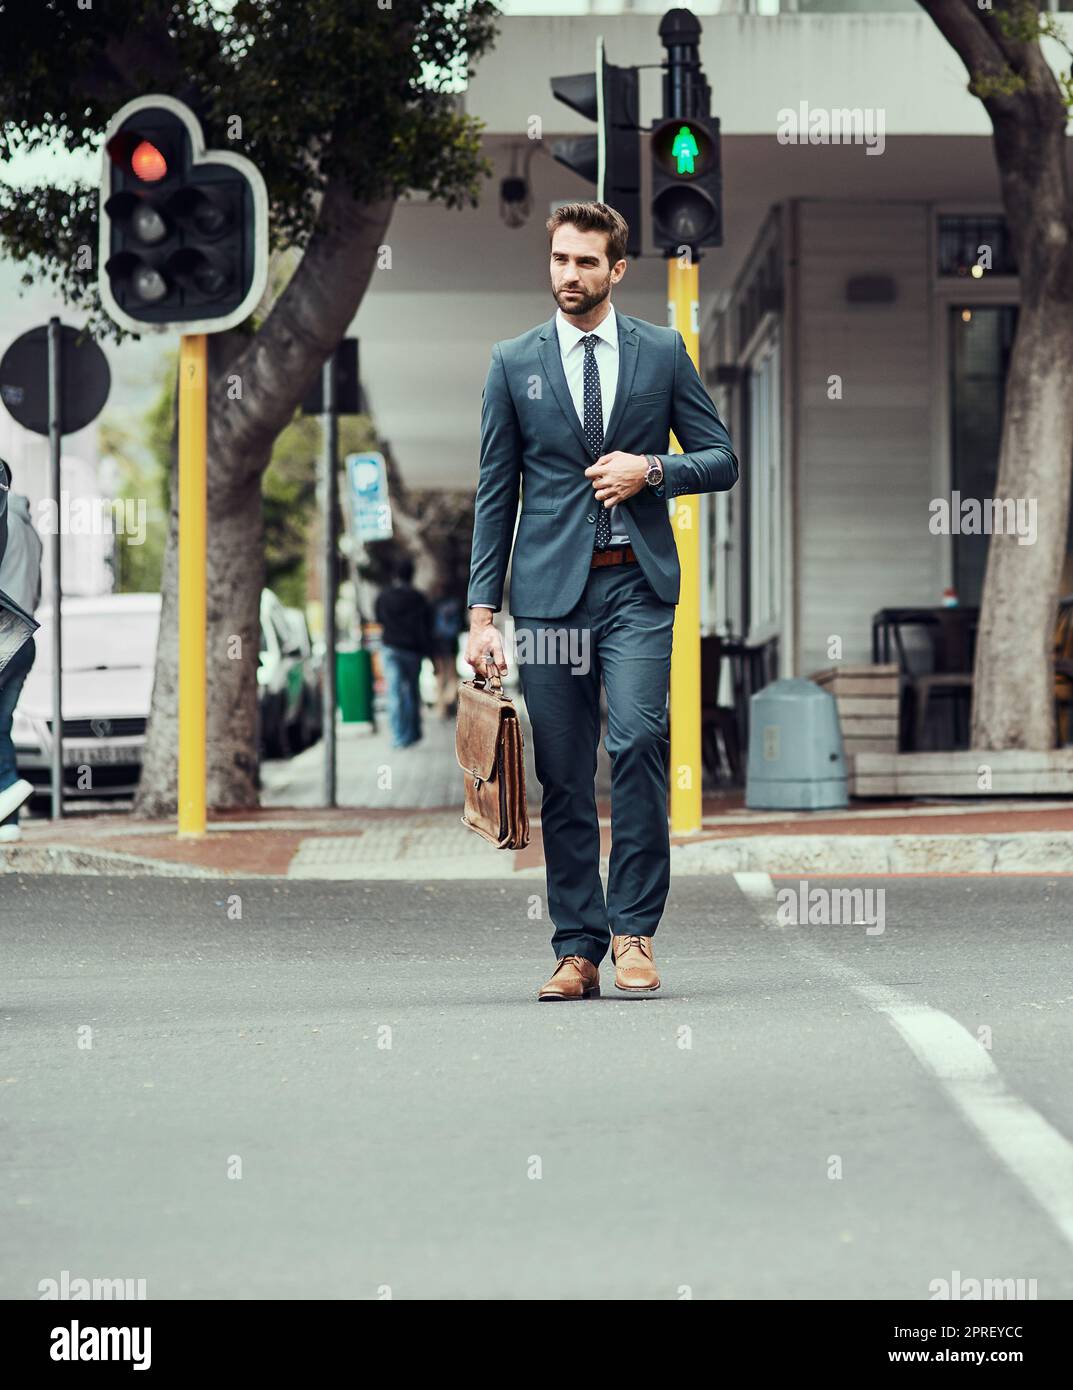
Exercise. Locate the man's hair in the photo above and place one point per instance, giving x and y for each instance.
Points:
(404, 569)
(593, 217)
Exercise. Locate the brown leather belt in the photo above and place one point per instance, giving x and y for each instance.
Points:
(616, 555)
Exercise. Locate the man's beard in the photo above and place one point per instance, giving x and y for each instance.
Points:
(586, 302)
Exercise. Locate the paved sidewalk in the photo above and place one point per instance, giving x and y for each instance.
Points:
(400, 818)
(396, 843)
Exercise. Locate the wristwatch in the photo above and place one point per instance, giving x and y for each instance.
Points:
(654, 475)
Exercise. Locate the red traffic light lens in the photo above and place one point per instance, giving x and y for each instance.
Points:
(147, 163)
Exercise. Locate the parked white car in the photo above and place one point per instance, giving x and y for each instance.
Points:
(109, 651)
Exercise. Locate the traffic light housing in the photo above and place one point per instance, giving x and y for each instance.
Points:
(687, 183)
(183, 231)
(610, 159)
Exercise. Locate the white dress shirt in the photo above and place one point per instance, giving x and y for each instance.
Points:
(572, 353)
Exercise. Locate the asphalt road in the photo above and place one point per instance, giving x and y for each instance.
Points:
(804, 1112)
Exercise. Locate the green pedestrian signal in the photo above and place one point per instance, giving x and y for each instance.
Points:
(685, 150)
(686, 185)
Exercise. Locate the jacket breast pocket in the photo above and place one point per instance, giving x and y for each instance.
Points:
(649, 397)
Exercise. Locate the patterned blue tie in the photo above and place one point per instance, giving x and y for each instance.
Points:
(594, 430)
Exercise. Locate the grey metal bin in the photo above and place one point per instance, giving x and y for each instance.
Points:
(796, 758)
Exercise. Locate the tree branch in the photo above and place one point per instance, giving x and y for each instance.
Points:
(977, 44)
(307, 321)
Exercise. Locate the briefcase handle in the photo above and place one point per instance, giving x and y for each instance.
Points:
(484, 681)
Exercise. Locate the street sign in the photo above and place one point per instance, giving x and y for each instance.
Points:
(85, 380)
(54, 381)
(370, 503)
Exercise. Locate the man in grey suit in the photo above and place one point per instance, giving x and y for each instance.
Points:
(578, 413)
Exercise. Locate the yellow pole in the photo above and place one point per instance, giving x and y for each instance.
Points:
(683, 302)
(193, 447)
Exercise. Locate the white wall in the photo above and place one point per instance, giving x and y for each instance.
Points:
(865, 475)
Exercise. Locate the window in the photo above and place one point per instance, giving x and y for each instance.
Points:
(963, 241)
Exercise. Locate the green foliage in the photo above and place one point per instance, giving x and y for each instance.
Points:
(1022, 22)
(143, 456)
(310, 92)
(290, 501)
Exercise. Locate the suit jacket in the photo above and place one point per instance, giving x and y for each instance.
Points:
(532, 440)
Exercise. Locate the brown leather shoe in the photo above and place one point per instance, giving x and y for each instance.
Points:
(573, 978)
(635, 970)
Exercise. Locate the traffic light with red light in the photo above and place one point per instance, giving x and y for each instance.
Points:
(687, 183)
(183, 231)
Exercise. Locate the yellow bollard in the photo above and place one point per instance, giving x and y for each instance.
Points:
(193, 448)
(683, 303)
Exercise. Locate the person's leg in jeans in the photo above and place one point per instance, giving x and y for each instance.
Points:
(11, 681)
(390, 659)
(411, 696)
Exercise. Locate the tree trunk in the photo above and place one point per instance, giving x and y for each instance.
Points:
(255, 385)
(1013, 684)
(158, 791)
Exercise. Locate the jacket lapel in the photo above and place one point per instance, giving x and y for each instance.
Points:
(627, 366)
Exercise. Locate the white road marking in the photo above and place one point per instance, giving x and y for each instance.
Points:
(1030, 1147)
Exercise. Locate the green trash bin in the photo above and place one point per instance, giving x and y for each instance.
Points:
(354, 685)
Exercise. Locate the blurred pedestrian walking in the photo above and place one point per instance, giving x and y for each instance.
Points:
(448, 620)
(405, 618)
(20, 593)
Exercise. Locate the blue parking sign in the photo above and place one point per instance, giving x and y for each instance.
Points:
(370, 505)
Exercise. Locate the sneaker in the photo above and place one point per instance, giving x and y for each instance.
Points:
(9, 834)
(11, 798)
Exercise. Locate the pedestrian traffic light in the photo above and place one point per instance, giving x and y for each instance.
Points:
(610, 159)
(687, 183)
(183, 231)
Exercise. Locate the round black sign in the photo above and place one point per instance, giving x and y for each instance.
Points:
(84, 380)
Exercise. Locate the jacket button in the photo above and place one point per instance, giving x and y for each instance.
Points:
(591, 516)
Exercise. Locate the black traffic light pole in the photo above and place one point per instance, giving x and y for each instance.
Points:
(686, 93)
(686, 196)
(330, 489)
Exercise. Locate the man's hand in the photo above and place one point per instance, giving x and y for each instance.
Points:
(616, 476)
(484, 645)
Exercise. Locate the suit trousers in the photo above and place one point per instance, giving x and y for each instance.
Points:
(620, 631)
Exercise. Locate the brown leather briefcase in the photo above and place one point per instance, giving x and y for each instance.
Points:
(491, 754)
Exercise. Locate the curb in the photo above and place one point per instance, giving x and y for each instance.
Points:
(1028, 852)
(74, 859)
(1035, 852)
